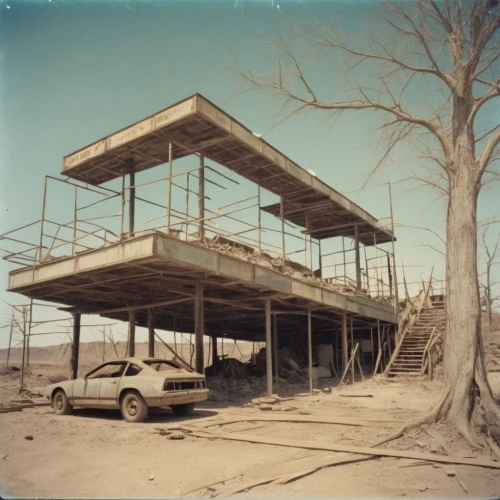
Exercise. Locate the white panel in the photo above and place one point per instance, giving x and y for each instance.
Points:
(130, 133)
(84, 154)
(173, 113)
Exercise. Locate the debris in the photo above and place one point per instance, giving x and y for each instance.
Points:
(163, 432)
(365, 450)
(269, 401)
(356, 395)
(316, 391)
(276, 408)
(451, 472)
(327, 390)
(29, 438)
(304, 412)
(5, 457)
(176, 436)
(265, 407)
(422, 487)
(151, 477)
(462, 484)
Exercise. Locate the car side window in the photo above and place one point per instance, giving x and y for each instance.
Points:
(133, 370)
(112, 370)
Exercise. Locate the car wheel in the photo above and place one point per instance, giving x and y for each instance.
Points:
(134, 408)
(61, 404)
(183, 410)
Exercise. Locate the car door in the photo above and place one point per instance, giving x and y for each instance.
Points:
(108, 392)
(86, 391)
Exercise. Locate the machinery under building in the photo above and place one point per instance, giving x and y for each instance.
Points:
(188, 221)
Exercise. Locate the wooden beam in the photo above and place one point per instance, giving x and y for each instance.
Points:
(151, 332)
(131, 334)
(201, 200)
(199, 325)
(269, 359)
(76, 345)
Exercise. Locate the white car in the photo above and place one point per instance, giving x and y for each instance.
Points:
(131, 385)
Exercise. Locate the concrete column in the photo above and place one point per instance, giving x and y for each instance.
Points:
(151, 333)
(76, 345)
(345, 355)
(282, 215)
(269, 350)
(199, 325)
(131, 334)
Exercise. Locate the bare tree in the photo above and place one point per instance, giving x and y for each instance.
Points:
(490, 258)
(452, 47)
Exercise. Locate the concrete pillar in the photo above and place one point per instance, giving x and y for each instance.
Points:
(269, 350)
(131, 334)
(76, 345)
(215, 355)
(199, 325)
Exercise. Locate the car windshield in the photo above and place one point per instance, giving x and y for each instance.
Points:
(162, 366)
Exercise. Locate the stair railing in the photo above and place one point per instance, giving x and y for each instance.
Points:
(426, 352)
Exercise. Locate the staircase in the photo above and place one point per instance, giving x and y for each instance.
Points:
(410, 359)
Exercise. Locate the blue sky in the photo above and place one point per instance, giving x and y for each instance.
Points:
(71, 72)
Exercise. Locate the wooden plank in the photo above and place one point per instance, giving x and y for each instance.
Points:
(363, 450)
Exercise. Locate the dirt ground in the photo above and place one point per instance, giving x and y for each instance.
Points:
(95, 454)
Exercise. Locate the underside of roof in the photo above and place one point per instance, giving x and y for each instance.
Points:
(195, 125)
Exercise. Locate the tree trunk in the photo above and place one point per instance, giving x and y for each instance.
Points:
(465, 372)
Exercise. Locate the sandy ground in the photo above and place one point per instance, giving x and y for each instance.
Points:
(95, 454)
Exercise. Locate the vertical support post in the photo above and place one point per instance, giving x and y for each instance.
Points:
(345, 354)
(309, 350)
(269, 355)
(352, 350)
(122, 222)
(131, 204)
(259, 219)
(75, 212)
(320, 260)
(170, 167)
(131, 334)
(282, 215)
(215, 355)
(187, 207)
(76, 345)
(43, 220)
(29, 335)
(366, 272)
(151, 333)
(10, 336)
(390, 274)
(24, 350)
(373, 346)
(358, 263)
(201, 200)
(275, 355)
(396, 291)
(378, 334)
(345, 268)
(199, 325)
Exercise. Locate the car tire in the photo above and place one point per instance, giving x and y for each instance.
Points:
(183, 410)
(133, 407)
(61, 404)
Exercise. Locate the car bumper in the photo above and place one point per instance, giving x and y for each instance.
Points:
(178, 398)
